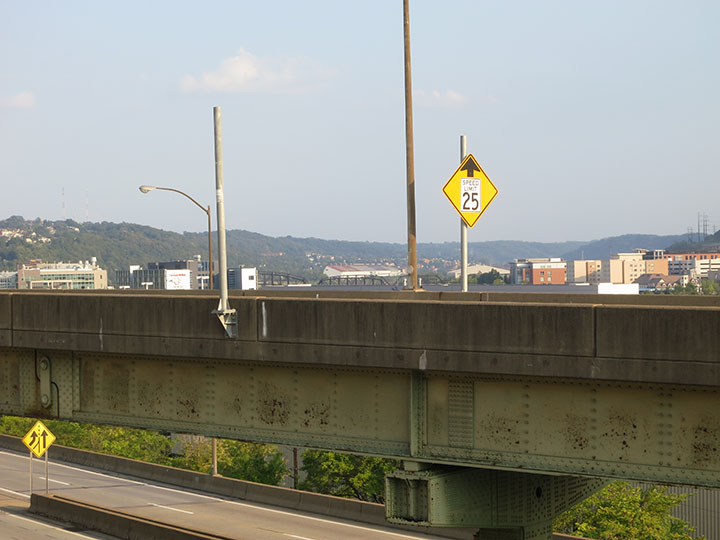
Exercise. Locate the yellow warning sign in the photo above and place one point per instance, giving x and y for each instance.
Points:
(470, 190)
(39, 439)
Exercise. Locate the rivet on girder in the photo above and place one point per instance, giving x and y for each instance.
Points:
(45, 375)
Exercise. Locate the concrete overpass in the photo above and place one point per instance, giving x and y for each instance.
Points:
(505, 408)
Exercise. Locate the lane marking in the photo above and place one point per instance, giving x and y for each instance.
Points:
(245, 505)
(298, 537)
(49, 526)
(171, 508)
(53, 480)
(104, 475)
(14, 492)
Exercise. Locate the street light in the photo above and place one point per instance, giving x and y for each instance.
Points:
(146, 189)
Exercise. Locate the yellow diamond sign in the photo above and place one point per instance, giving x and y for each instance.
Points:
(470, 190)
(39, 439)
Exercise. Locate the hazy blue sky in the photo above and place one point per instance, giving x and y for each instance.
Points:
(592, 118)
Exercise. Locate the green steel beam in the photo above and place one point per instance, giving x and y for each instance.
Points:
(657, 433)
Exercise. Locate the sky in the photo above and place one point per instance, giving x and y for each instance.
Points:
(592, 119)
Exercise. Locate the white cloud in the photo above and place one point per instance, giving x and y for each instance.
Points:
(248, 73)
(23, 100)
(449, 99)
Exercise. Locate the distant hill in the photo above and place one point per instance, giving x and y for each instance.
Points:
(601, 249)
(117, 245)
(710, 244)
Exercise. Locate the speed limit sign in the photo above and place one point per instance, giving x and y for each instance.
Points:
(470, 190)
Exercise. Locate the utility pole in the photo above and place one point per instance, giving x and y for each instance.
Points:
(409, 156)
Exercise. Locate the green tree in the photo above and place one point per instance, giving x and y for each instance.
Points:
(710, 287)
(490, 277)
(254, 462)
(623, 512)
(345, 475)
(246, 461)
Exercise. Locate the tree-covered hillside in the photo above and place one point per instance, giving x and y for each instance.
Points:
(118, 245)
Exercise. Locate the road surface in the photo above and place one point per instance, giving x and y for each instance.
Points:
(205, 512)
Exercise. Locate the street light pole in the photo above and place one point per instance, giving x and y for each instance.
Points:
(146, 189)
(226, 315)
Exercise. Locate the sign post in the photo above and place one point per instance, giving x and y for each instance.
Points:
(470, 191)
(38, 440)
(463, 229)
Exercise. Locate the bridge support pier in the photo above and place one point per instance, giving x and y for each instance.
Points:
(504, 505)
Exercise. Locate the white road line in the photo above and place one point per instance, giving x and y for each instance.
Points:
(14, 492)
(48, 526)
(52, 480)
(82, 470)
(170, 508)
(298, 537)
(245, 505)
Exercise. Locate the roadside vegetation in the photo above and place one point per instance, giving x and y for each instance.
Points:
(244, 461)
(625, 512)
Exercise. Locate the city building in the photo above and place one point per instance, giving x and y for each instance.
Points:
(693, 267)
(696, 265)
(176, 275)
(620, 268)
(584, 271)
(80, 275)
(8, 280)
(543, 271)
(199, 274)
(245, 279)
(658, 282)
(156, 278)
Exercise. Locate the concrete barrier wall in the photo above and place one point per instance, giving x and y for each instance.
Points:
(159, 316)
(678, 334)
(387, 331)
(480, 327)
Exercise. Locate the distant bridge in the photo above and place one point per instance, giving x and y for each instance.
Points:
(358, 281)
(505, 408)
(275, 279)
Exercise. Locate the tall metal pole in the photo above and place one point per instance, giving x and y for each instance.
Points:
(463, 229)
(210, 266)
(226, 315)
(220, 198)
(214, 457)
(409, 155)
